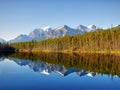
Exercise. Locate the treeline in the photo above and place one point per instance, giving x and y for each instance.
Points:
(100, 63)
(5, 47)
(100, 40)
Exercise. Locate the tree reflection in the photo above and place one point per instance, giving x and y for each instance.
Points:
(100, 63)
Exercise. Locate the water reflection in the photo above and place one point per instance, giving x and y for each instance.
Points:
(57, 71)
(65, 64)
(46, 68)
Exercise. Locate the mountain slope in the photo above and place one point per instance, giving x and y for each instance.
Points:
(82, 28)
(92, 27)
(21, 38)
(65, 30)
(41, 33)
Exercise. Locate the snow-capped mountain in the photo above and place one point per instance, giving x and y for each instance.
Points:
(21, 38)
(89, 28)
(40, 34)
(2, 40)
(83, 29)
(65, 30)
(47, 32)
(93, 27)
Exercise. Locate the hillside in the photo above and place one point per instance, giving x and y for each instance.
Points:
(98, 41)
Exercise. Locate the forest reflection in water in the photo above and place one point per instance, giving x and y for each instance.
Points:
(99, 63)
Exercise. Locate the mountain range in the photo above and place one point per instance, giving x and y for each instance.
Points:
(48, 32)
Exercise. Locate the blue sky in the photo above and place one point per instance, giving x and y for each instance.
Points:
(23, 16)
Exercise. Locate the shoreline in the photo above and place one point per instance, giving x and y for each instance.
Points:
(70, 51)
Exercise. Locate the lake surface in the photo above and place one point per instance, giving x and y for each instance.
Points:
(57, 71)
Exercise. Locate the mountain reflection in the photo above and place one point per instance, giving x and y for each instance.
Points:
(65, 64)
(46, 68)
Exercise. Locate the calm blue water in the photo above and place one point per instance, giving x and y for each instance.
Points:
(22, 74)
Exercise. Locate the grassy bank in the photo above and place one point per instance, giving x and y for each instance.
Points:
(70, 51)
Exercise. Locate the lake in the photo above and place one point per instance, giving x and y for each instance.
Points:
(58, 71)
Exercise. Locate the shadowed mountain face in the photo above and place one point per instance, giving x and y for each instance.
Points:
(64, 64)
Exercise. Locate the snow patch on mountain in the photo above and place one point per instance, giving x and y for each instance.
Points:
(82, 28)
(47, 28)
(93, 27)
